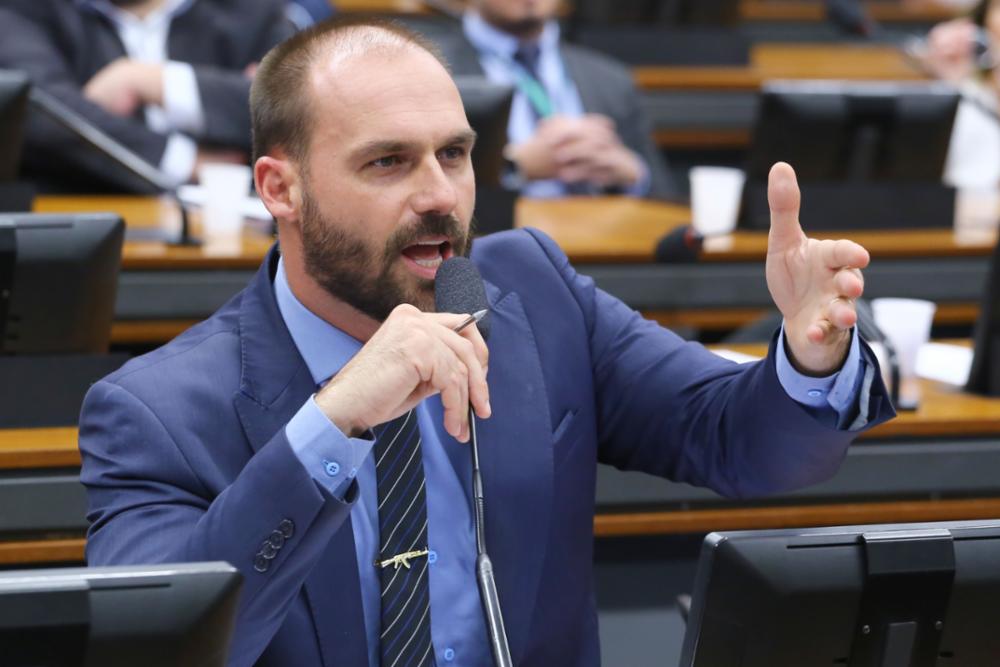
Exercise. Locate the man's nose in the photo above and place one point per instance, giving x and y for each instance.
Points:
(435, 191)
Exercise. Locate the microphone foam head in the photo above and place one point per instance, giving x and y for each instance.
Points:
(458, 288)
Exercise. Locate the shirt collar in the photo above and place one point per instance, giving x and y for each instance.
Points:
(486, 37)
(325, 348)
(170, 10)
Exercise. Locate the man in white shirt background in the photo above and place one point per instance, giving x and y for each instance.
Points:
(169, 79)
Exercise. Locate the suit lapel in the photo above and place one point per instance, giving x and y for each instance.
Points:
(580, 78)
(516, 453)
(274, 385)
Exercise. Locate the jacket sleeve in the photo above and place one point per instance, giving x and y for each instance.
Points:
(27, 47)
(147, 505)
(672, 408)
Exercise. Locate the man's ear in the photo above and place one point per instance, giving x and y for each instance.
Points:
(276, 178)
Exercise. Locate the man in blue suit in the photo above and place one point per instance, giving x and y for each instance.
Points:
(311, 432)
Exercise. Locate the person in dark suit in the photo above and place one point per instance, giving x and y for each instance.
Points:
(576, 124)
(169, 79)
(311, 432)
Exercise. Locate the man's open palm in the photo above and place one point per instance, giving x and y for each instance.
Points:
(813, 283)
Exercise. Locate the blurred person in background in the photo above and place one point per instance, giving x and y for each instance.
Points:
(576, 126)
(169, 79)
(966, 51)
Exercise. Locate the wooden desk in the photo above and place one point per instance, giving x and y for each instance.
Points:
(611, 239)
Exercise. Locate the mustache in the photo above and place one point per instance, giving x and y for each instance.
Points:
(430, 224)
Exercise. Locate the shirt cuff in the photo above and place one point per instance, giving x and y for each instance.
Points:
(181, 99)
(179, 158)
(329, 456)
(839, 391)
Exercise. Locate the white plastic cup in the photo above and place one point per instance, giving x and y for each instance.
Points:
(907, 324)
(226, 187)
(715, 199)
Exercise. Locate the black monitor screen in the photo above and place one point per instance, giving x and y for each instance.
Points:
(832, 131)
(867, 155)
(906, 595)
(487, 108)
(984, 377)
(61, 272)
(14, 87)
(148, 616)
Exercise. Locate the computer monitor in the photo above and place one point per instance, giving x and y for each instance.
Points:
(14, 88)
(487, 108)
(902, 595)
(984, 376)
(61, 274)
(58, 280)
(867, 155)
(153, 616)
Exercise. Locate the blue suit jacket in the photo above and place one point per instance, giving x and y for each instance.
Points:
(185, 456)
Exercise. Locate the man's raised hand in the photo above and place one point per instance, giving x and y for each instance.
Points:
(813, 283)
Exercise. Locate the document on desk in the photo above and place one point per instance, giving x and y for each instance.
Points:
(945, 363)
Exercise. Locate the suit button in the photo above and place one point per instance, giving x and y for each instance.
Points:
(260, 563)
(268, 551)
(287, 528)
(276, 540)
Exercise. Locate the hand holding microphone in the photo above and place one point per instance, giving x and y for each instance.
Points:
(413, 355)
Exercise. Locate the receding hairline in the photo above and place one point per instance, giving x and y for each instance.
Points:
(311, 55)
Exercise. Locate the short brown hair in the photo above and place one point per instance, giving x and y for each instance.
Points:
(280, 105)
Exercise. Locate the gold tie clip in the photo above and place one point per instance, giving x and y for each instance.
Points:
(401, 559)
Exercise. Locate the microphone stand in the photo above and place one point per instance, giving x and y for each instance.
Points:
(484, 566)
(121, 154)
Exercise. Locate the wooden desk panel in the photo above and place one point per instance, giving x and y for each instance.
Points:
(588, 229)
(902, 11)
(850, 61)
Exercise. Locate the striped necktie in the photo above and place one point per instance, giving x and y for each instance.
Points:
(402, 559)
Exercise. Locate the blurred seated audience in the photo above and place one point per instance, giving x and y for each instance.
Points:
(576, 126)
(303, 13)
(169, 79)
(966, 52)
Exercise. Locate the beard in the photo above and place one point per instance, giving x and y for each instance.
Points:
(350, 268)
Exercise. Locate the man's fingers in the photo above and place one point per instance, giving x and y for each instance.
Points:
(452, 380)
(477, 389)
(849, 283)
(784, 199)
(843, 253)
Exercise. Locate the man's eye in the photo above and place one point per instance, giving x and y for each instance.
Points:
(453, 153)
(385, 162)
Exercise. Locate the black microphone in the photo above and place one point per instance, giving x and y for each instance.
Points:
(458, 288)
(679, 246)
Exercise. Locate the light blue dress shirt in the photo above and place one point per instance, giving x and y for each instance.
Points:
(496, 56)
(458, 631)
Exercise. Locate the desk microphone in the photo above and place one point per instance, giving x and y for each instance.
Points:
(122, 155)
(680, 245)
(458, 288)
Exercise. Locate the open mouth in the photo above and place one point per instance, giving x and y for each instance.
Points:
(425, 256)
